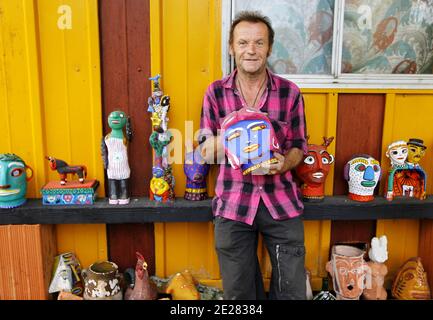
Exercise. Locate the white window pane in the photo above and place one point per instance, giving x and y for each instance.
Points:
(303, 33)
(388, 37)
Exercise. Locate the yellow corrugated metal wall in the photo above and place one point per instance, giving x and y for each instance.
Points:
(186, 47)
(50, 98)
(50, 105)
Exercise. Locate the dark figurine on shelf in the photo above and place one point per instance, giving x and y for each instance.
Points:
(406, 177)
(314, 169)
(14, 175)
(141, 288)
(115, 157)
(195, 170)
(63, 169)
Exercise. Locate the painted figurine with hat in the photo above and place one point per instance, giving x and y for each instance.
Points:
(406, 177)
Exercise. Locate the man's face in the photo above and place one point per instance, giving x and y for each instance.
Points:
(250, 47)
(415, 153)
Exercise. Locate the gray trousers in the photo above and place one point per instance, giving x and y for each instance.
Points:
(236, 246)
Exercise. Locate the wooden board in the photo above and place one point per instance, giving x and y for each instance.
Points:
(359, 130)
(125, 52)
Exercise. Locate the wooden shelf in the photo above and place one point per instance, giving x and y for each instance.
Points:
(142, 210)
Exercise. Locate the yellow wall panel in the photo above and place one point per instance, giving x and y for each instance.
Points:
(401, 123)
(87, 241)
(50, 97)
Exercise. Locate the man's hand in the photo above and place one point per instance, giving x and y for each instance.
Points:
(212, 150)
(285, 163)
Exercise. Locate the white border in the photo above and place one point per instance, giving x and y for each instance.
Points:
(337, 79)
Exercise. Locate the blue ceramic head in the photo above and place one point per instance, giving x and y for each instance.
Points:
(13, 180)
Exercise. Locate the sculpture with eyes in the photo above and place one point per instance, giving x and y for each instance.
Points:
(114, 150)
(362, 173)
(14, 175)
(406, 177)
(314, 169)
(348, 269)
(249, 140)
(162, 182)
(196, 171)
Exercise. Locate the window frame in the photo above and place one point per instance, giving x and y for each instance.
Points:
(336, 79)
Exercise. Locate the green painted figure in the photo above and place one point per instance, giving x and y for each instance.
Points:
(115, 157)
(13, 180)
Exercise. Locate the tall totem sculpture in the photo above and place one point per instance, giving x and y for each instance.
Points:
(162, 182)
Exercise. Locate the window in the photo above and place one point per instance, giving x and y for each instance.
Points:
(351, 43)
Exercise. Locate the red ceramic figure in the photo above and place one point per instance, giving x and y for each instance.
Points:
(314, 169)
(63, 169)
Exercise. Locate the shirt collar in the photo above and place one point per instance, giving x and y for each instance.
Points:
(229, 82)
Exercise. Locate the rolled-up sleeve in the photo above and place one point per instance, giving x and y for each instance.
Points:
(296, 133)
(209, 119)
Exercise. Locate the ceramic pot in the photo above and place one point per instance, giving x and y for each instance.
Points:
(102, 282)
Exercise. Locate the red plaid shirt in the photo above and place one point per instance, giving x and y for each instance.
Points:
(237, 196)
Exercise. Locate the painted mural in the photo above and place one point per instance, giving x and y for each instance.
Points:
(388, 36)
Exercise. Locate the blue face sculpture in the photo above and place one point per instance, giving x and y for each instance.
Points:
(13, 180)
(248, 144)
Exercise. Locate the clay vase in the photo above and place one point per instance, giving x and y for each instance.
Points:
(374, 289)
(347, 268)
(102, 282)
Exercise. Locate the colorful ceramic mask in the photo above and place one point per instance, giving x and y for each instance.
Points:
(362, 173)
(13, 180)
(196, 171)
(411, 282)
(249, 140)
(314, 169)
(397, 153)
(416, 151)
(347, 268)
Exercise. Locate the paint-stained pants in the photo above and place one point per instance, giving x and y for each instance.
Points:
(236, 246)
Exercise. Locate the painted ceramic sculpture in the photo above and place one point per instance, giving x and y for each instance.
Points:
(182, 286)
(115, 157)
(14, 175)
(142, 288)
(249, 140)
(376, 270)
(196, 171)
(347, 268)
(314, 169)
(162, 182)
(102, 282)
(406, 177)
(63, 169)
(66, 275)
(362, 173)
(411, 281)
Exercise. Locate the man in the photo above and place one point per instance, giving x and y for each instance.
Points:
(245, 205)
